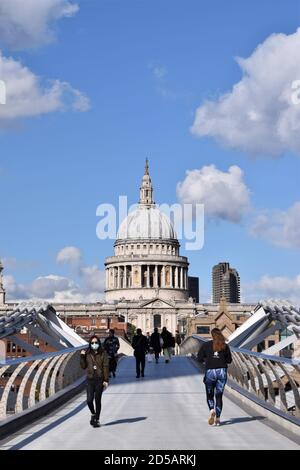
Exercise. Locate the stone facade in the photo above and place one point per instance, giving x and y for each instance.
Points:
(146, 262)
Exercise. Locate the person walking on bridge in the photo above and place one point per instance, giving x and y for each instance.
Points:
(140, 346)
(96, 362)
(111, 346)
(177, 343)
(155, 344)
(216, 355)
(168, 344)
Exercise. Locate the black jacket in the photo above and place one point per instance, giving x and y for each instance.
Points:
(155, 342)
(169, 340)
(140, 345)
(214, 360)
(111, 345)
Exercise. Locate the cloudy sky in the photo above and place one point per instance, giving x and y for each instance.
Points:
(208, 90)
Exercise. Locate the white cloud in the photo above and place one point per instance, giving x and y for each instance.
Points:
(29, 23)
(281, 228)
(88, 285)
(275, 287)
(260, 115)
(14, 290)
(69, 254)
(47, 286)
(55, 289)
(224, 194)
(27, 95)
(94, 279)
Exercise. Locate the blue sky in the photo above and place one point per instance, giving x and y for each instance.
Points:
(146, 67)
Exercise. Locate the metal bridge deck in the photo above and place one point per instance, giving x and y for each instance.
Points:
(166, 410)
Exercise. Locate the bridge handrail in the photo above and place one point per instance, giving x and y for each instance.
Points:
(271, 379)
(40, 357)
(283, 360)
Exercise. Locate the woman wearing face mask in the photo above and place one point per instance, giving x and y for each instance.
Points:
(96, 362)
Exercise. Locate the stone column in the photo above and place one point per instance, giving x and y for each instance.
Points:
(163, 276)
(118, 281)
(171, 276)
(107, 278)
(176, 277)
(148, 275)
(115, 277)
(156, 276)
(124, 276)
(181, 277)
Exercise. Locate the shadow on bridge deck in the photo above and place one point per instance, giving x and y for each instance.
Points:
(165, 410)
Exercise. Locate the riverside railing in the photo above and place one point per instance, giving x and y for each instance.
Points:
(28, 381)
(273, 379)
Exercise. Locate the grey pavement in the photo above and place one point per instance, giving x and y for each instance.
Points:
(166, 410)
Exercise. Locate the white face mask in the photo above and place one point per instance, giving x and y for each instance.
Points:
(94, 346)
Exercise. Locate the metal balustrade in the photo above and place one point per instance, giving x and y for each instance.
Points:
(273, 379)
(27, 381)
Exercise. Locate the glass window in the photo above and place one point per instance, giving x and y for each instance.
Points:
(203, 330)
(157, 321)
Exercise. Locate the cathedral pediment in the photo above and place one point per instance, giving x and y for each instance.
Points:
(156, 303)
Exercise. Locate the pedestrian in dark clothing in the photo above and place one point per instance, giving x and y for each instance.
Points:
(139, 344)
(155, 344)
(216, 355)
(111, 346)
(177, 342)
(96, 363)
(148, 341)
(168, 344)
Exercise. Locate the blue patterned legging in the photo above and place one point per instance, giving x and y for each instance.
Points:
(215, 381)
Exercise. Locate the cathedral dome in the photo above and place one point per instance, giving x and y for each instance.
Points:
(146, 222)
(146, 261)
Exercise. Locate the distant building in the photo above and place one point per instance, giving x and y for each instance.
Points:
(193, 286)
(227, 317)
(226, 283)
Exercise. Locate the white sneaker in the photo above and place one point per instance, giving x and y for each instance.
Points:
(217, 422)
(211, 418)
